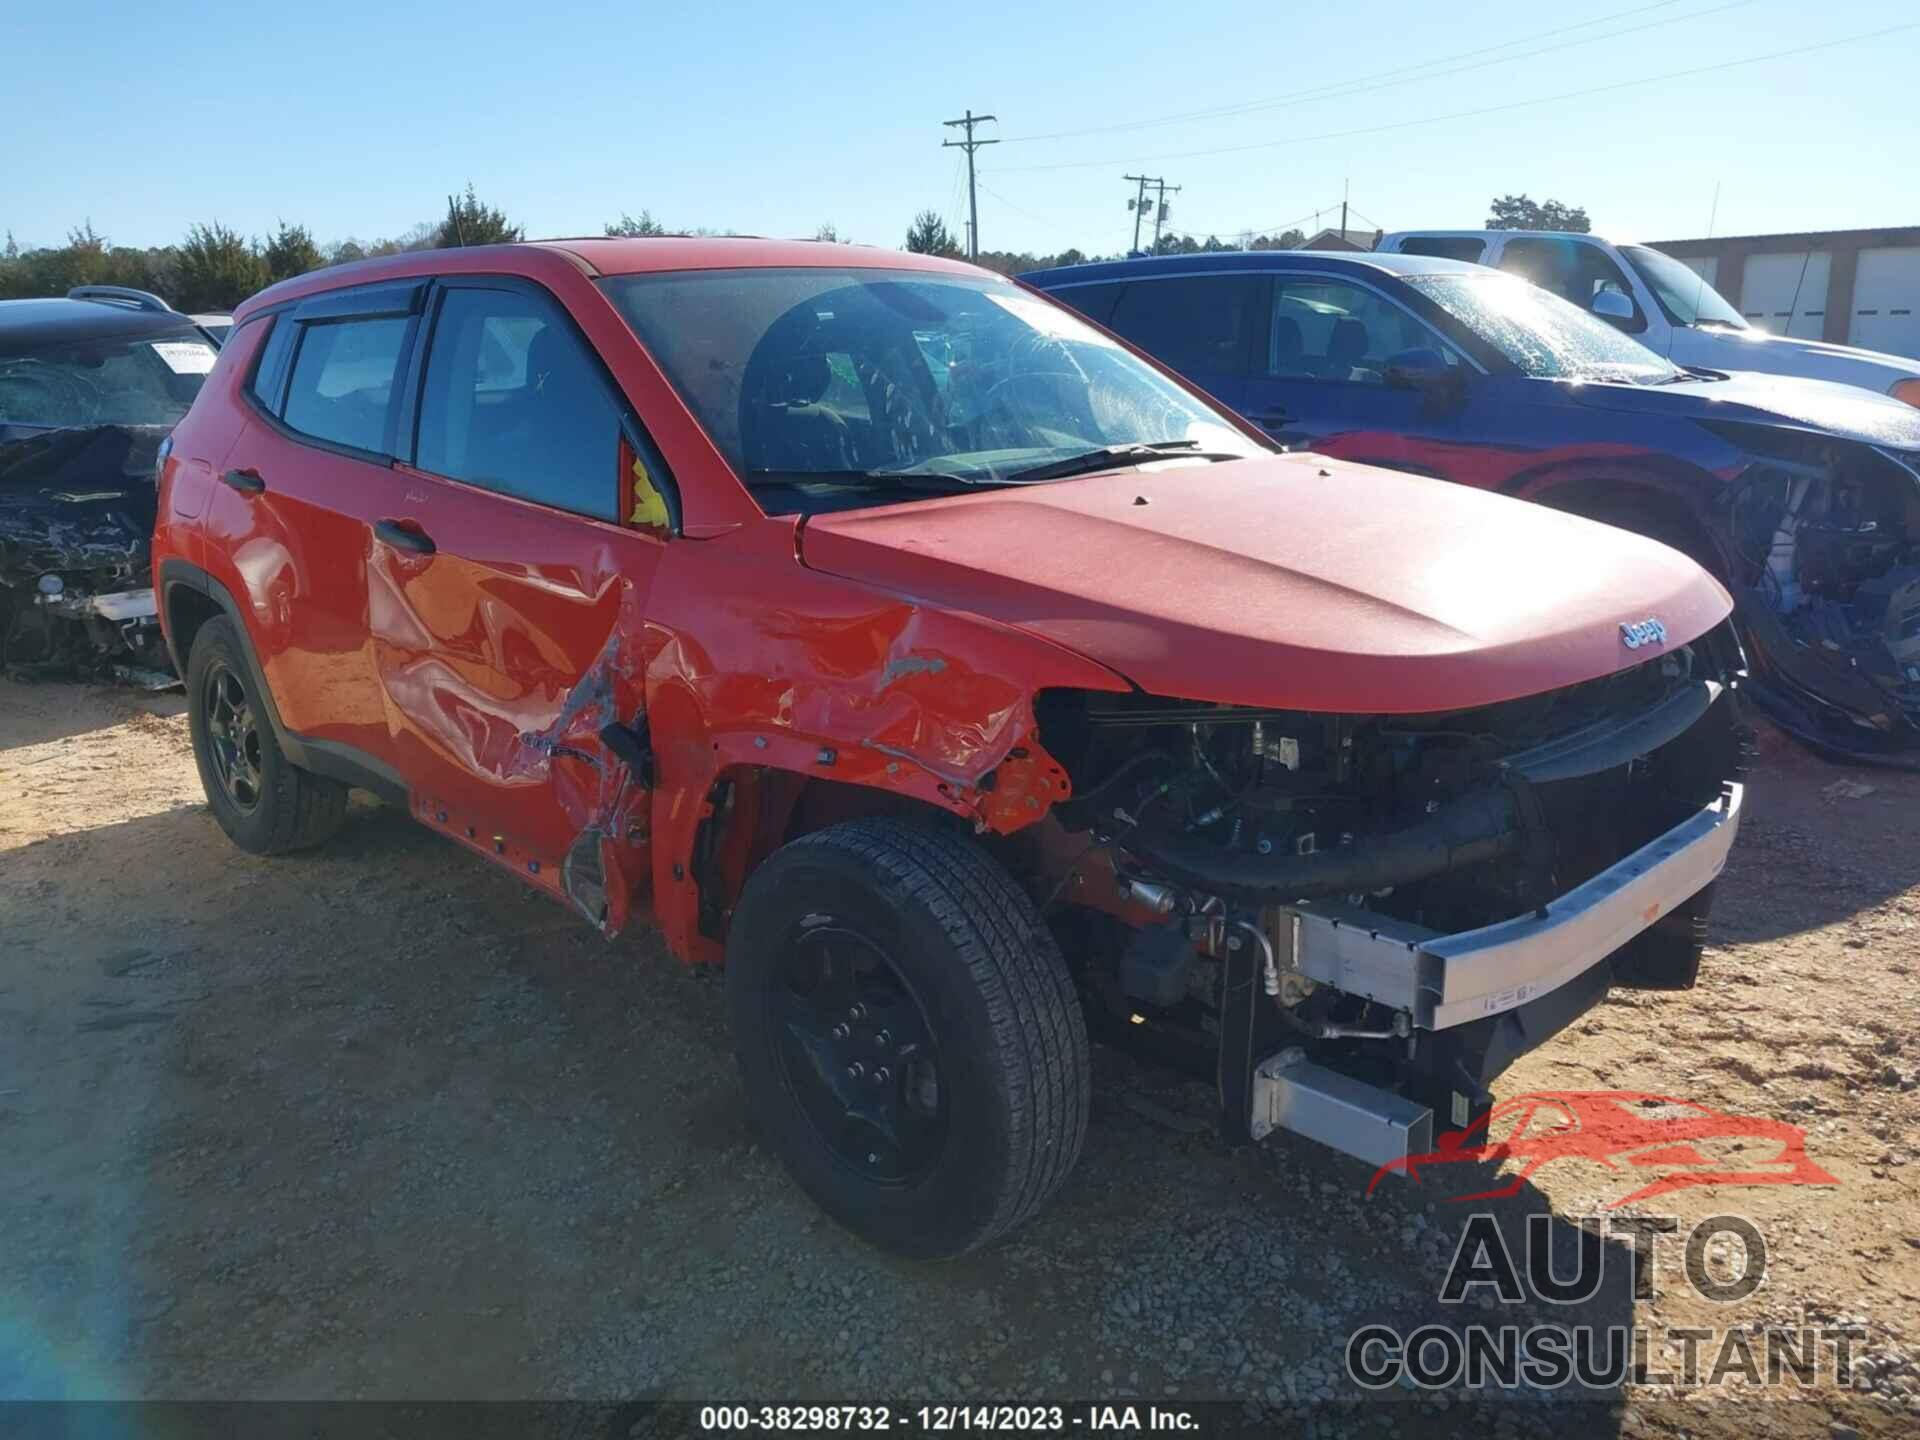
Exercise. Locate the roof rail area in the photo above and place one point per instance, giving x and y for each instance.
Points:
(122, 295)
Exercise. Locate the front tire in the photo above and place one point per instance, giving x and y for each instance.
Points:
(264, 802)
(910, 1040)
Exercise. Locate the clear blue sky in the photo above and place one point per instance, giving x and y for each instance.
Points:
(357, 118)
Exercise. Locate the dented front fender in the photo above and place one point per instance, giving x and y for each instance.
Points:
(756, 663)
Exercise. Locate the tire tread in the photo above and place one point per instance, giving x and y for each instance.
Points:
(1015, 964)
(304, 809)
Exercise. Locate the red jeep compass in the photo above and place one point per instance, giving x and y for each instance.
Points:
(957, 677)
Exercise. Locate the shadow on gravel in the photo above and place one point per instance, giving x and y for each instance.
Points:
(372, 1118)
(1820, 844)
(42, 711)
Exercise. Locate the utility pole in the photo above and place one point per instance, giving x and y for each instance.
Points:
(1139, 204)
(1345, 186)
(969, 120)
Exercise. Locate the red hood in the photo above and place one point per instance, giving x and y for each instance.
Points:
(1292, 581)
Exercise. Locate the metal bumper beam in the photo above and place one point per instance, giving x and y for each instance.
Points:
(1446, 980)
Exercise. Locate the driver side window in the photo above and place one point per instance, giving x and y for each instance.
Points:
(514, 402)
(1575, 270)
(1329, 330)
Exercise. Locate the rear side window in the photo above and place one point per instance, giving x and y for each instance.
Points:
(341, 387)
(515, 402)
(1093, 301)
(1444, 247)
(1200, 325)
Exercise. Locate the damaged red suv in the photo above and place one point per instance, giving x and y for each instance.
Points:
(960, 679)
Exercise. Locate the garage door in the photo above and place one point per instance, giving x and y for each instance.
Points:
(1787, 293)
(1886, 301)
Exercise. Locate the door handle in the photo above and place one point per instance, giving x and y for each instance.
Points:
(247, 482)
(403, 536)
(1271, 417)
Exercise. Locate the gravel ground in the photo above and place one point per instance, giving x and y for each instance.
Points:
(373, 1122)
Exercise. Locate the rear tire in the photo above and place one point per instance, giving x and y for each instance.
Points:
(911, 1043)
(265, 803)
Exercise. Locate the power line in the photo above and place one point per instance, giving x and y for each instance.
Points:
(1279, 229)
(1401, 75)
(1057, 227)
(1018, 208)
(1485, 109)
(970, 145)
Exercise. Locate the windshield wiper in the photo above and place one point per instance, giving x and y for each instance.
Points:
(923, 480)
(916, 477)
(1115, 457)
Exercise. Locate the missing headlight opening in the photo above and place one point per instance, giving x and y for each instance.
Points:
(1332, 892)
(1827, 557)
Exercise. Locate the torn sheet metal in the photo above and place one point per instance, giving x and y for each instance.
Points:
(77, 511)
(757, 666)
(498, 684)
(1831, 608)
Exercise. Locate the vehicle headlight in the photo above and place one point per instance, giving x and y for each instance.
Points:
(1907, 390)
(51, 586)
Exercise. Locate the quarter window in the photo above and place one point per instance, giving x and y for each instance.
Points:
(1444, 247)
(342, 385)
(270, 374)
(515, 403)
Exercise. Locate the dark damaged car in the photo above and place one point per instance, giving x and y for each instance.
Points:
(89, 389)
(1801, 495)
(955, 677)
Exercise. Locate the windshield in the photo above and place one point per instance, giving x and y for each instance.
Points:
(1540, 333)
(1682, 291)
(828, 389)
(145, 380)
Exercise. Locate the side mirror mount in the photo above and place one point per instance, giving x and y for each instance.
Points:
(1615, 308)
(1442, 387)
(1422, 368)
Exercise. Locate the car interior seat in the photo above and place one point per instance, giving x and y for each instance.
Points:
(1286, 348)
(791, 429)
(1347, 346)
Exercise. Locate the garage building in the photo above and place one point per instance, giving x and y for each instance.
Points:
(1851, 287)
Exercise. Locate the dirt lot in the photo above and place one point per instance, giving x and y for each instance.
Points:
(374, 1122)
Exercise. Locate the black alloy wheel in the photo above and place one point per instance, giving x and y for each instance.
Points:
(856, 1051)
(233, 736)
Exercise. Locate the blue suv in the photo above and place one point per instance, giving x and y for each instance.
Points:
(1803, 497)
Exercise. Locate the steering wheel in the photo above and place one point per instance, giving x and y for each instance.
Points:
(71, 400)
(1039, 350)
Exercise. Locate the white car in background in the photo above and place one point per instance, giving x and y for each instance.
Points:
(216, 326)
(1662, 303)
